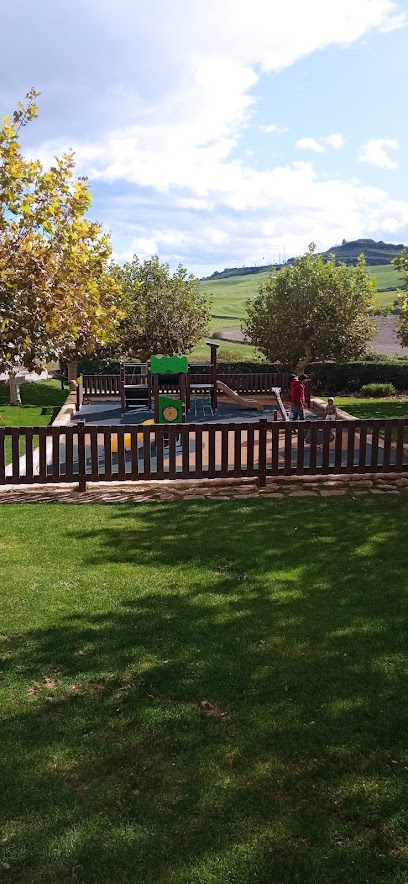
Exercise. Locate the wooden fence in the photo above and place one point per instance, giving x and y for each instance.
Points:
(258, 449)
(106, 385)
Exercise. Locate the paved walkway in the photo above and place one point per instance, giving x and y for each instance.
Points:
(353, 486)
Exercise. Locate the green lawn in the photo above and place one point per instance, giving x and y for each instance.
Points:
(208, 692)
(366, 409)
(41, 404)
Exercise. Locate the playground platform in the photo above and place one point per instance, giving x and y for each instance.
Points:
(108, 413)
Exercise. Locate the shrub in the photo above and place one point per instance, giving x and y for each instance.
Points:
(378, 390)
(348, 377)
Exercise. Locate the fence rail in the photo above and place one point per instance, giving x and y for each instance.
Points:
(260, 449)
(260, 382)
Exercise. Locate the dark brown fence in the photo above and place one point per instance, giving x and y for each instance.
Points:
(194, 451)
(262, 382)
(101, 384)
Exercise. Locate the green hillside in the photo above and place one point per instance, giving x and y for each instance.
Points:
(229, 297)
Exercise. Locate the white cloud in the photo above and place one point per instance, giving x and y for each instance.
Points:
(310, 144)
(318, 144)
(164, 116)
(282, 209)
(272, 127)
(336, 141)
(376, 152)
(394, 22)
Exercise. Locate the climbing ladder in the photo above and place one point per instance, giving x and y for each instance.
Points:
(202, 397)
(282, 409)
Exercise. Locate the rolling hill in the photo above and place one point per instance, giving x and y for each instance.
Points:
(229, 296)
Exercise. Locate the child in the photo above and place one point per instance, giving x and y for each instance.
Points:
(330, 412)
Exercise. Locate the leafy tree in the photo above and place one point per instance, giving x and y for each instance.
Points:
(165, 314)
(59, 298)
(401, 262)
(312, 310)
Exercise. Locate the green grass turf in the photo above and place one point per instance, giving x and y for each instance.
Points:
(387, 277)
(373, 408)
(204, 692)
(41, 403)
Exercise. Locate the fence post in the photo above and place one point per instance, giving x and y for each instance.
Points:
(307, 392)
(263, 424)
(81, 457)
(80, 392)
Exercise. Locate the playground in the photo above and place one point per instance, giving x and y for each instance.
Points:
(193, 425)
(171, 420)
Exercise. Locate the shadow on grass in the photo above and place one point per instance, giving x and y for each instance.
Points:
(39, 394)
(239, 716)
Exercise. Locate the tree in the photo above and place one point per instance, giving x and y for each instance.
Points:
(58, 295)
(312, 310)
(401, 262)
(165, 314)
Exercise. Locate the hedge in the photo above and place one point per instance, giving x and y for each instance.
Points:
(349, 377)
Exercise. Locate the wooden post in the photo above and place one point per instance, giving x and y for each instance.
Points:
(184, 394)
(122, 387)
(156, 397)
(263, 425)
(188, 391)
(149, 389)
(307, 392)
(81, 457)
(214, 392)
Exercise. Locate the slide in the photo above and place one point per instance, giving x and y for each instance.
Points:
(246, 403)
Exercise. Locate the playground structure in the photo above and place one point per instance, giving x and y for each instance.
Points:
(167, 388)
(192, 441)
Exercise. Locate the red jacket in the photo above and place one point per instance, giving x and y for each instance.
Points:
(297, 392)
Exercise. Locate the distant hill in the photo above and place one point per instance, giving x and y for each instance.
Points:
(241, 271)
(376, 254)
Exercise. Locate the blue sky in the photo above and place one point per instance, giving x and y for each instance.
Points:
(224, 133)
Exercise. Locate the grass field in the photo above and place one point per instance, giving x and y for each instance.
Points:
(40, 404)
(224, 711)
(229, 298)
(366, 409)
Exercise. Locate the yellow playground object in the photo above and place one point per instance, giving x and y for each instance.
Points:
(127, 438)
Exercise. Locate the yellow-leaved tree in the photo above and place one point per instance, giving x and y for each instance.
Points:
(60, 297)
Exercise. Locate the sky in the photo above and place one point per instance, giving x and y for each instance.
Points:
(224, 133)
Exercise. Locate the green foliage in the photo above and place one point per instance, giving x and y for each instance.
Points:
(402, 264)
(378, 390)
(165, 314)
(351, 376)
(312, 310)
(59, 297)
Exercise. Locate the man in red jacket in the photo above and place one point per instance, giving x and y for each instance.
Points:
(297, 397)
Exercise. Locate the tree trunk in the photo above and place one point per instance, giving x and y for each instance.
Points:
(73, 370)
(304, 361)
(15, 398)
